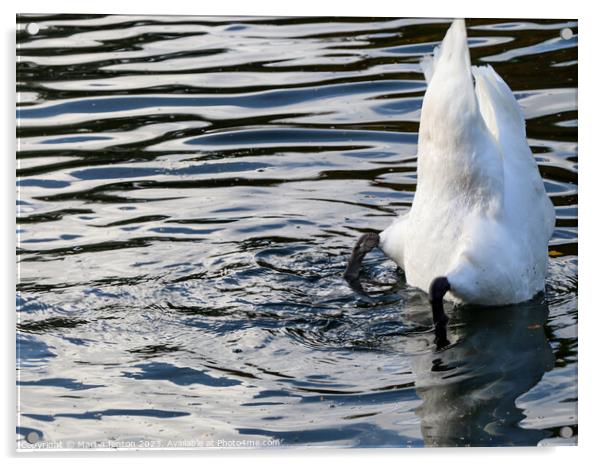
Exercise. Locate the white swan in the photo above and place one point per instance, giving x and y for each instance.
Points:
(481, 220)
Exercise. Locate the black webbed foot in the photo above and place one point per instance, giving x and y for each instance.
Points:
(364, 245)
(439, 286)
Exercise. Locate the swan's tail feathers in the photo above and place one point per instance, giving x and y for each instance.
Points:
(497, 104)
(452, 53)
(450, 99)
(455, 147)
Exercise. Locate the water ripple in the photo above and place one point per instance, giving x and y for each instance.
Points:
(188, 192)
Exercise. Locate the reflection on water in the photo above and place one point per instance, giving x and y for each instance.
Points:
(189, 189)
(470, 390)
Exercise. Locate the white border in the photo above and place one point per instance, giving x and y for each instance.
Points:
(383, 8)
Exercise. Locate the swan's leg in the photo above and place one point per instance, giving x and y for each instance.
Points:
(439, 286)
(364, 245)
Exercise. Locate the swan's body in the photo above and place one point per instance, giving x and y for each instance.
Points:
(480, 223)
(480, 216)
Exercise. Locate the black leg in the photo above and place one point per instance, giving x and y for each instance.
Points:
(439, 286)
(364, 245)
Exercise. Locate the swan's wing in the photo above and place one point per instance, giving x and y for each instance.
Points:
(497, 104)
(505, 120)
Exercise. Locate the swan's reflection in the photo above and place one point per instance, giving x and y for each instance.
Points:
(469, 390)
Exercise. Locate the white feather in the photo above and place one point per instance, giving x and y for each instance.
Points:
(481, 216)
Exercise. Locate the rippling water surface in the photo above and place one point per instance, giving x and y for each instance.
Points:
(189, 189)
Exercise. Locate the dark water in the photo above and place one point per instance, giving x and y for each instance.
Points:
(189, 189)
